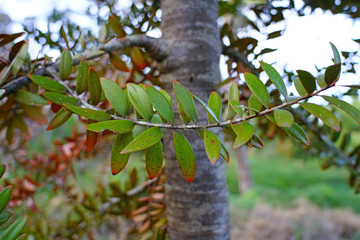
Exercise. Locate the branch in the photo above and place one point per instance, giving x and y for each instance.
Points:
(238, 57)
(156, 48)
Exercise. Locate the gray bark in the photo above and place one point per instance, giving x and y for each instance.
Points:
(198, 210)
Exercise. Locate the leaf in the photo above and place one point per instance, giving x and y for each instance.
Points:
(184, 118)
(233, 96)
(321, 81)
(116, 25)
(82, 77)
(186, 101)
(116, 96)
(299, 87)
(212, 146)
(2, 92)
(4, 216)
(117, 126)
(102, 33)
(48, 84)
(63, 35)
(256, 142)
(215, 105)
(346, 107)
(244, 133)
(283, 118)
(118, 63)
(307, 81)
(20, 59)
(146, 139)
(60, 118)
(237, 107)
(34, 113)
(94, 86)
(89, 113)
(28, 98)
(2, 170)
(295, 130)
(166, 95)
(154, 159)
(65, 66)
(6, 73)
(15, 229)
(137, 58)
(185, 156)
(160, 103)
(254, 103)
(118, 160)
(275, 78)
(322, 113)
(91, 137)
(258, 88)
(224, 153)
(140, 101)
(5, 196)
(337, 58)
(61, 99)
(332, 74)
(207, 108)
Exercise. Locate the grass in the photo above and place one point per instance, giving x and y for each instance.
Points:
(278, 180)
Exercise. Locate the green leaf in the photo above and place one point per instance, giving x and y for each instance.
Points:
(60, 118)
(137, 58)
(15, 229)
(48, 84)
(94, 86)
(89, 113)
(258, 88)
(116, 26)
(61, 99)
(307, 81)
(321, 81)
(224, 153)
(2, 170)
(346, 107)
(102, 33)
(146, 139)
(207, 108)
(184, 118)
(185, 156)
(254, 103)
(28, 98)
(256, 142)
(275, 78)
(299, 87)
(337, 58)
(5, 195)
(118, 160)
(4, 216)
(140, 101)
(2, 92)
(215, 105)
(295, 130)
(332, 74)
(116, 96)
(82, 77)
(160, 103)
(186, 101)
(117, 126)
(65, 66)
(283, 118)
(20, 58)
(233, 96)
(239, 108)
(154, 159)
(244, 133)
(166, 95)
(322, 113)
(212, 146)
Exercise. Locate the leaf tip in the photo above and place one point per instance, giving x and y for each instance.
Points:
(190, 179)
(113, 172)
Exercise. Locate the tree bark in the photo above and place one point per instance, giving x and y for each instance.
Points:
(197, 210)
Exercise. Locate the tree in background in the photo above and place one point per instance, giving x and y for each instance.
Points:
(188, 52)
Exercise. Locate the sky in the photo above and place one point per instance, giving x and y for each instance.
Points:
(304, 44)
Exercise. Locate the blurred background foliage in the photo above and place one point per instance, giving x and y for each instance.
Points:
(70, 194)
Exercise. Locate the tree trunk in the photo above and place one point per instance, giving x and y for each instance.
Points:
(243, 170)
(197, 210)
